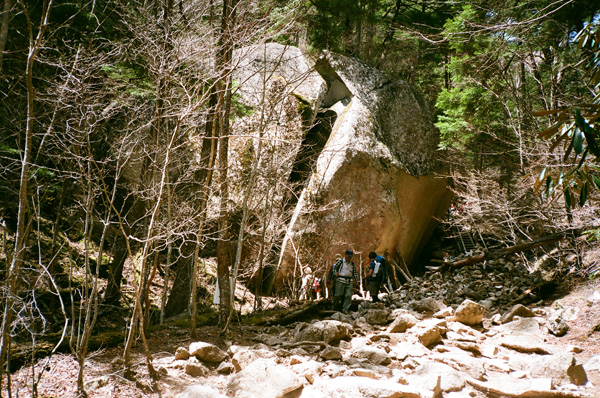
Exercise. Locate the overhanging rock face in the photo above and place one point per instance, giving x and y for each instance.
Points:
(373, 187)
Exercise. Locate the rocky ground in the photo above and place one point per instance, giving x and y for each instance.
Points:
(433, 338)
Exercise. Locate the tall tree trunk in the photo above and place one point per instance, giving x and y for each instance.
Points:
(4, 22)
(224, 66)
(208, 155)
(20, 238)
(148, 245)
(89, 302)
(359, 29)
(223, 259)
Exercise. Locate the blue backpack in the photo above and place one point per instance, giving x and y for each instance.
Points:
(380, 272)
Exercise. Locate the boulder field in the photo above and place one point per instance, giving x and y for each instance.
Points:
(404, 347)
(382, 352)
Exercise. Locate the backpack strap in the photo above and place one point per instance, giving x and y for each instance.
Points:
(334, 268)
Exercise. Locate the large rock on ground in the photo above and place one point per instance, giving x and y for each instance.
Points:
(206, 352)
(518, 310)
(195, 368)
(374, 355)
(428, 304)
(402, 323)
(562, 368)
(327, 331)
(376, 316)
(310, 369)
(430, 331)
(503, 385)
(557, 325)
(522, 327)
(245, 357)
(265, 63)
(182, 353)
(264, 378)
(330, 353)
(384, 142)
(470, 313)
(593, 363)
(279, 94)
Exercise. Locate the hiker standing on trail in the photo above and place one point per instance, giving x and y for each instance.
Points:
(306, 284)
(346, 276)
(330, 281)
(375, 275)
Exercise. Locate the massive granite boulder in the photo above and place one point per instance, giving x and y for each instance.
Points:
(373, 186)
(353, 153)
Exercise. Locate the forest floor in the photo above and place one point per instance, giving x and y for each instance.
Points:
(104, 369)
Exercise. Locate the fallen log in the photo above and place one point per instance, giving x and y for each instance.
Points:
(288, 315)
(404, 267)
(521, 247)
(408, 278)
(21, 354)
(495, 390)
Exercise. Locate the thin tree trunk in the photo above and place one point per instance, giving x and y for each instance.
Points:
(91, 302)
(147, 291)
(359, 30)
(249, 191)
(213, 125)
(86, 300)
(223, 243)
(240, 240)
(137, 310)
(165, 291)
(20, 238)
(261, 255)
(223, 63)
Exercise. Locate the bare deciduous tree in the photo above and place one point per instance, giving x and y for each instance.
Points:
(35, 44)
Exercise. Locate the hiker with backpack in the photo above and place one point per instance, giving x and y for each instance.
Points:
(376, 275)
(330, 279)
(343, 275)
(316, 287)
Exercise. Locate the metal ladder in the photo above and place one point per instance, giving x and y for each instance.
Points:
(468, 241)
